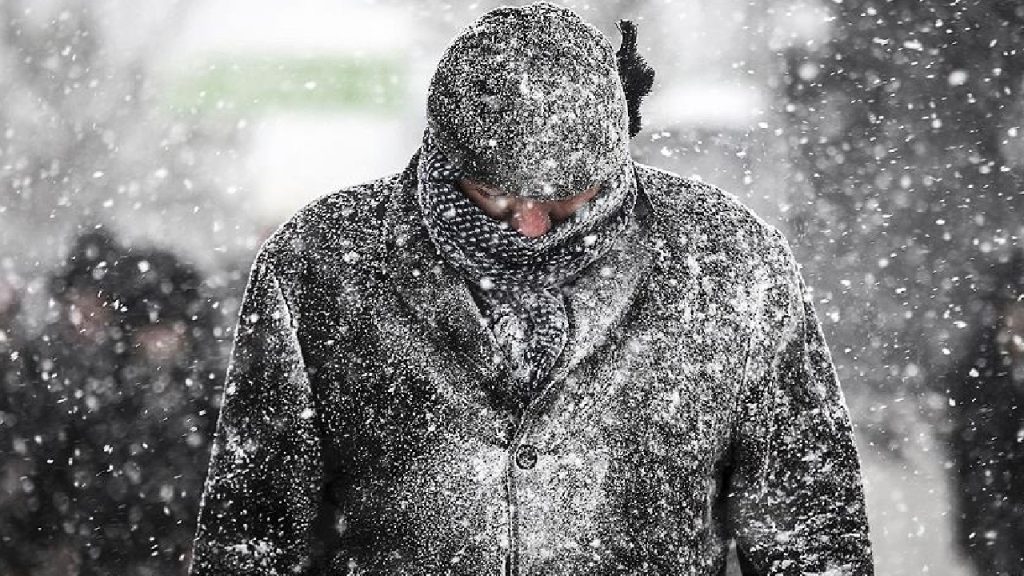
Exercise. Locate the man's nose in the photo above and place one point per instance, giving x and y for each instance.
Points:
(531, 219)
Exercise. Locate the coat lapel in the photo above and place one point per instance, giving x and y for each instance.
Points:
(601, 295)
(432, 289)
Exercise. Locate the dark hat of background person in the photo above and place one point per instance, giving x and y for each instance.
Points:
(534, 101)
(89, 263)
(156, 287)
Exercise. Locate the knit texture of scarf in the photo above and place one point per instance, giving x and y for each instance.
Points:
(518, 280)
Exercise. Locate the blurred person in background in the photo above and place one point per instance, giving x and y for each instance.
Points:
(161, 425)
(141, 445)
(67, 366)
(112, 422)
(528, 354)
(986, 439)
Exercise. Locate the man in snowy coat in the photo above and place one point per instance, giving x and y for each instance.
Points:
(528, 354)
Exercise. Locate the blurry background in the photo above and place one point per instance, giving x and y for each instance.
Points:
(148, 147)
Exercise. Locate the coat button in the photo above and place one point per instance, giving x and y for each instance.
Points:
(526, 457)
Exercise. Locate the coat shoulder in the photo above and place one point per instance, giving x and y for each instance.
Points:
(702, 221)
(342, 225)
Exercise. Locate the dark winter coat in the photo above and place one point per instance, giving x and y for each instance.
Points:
(362, 429)
(986, 415)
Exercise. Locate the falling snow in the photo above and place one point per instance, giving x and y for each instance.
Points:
(786, 337)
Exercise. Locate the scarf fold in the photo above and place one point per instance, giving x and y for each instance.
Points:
(518, 280)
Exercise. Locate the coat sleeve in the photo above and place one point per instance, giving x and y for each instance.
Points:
(261, 491)
(795, 500)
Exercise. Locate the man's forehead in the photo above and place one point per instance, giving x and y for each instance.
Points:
(548, 192)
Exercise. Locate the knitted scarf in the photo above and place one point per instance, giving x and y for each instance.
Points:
(516, 279)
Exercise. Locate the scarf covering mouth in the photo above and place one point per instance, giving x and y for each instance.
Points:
(518, 280)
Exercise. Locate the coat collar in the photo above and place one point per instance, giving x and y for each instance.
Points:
(442, 301)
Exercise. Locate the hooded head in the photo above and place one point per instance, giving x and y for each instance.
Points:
(529, 101)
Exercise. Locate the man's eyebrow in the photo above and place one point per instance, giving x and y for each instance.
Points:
(490, 191)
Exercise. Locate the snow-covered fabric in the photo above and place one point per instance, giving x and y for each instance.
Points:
(695, 403)
(518, 279)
